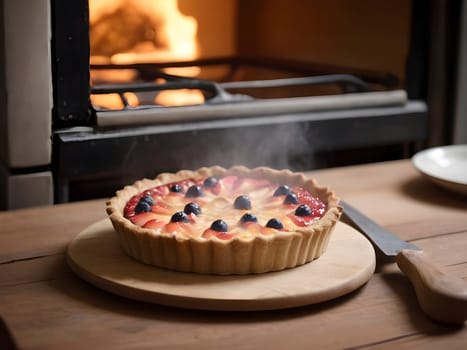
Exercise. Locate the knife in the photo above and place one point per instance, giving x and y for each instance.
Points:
(441, 297)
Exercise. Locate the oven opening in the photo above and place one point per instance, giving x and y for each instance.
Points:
(146, 54)
(168, 85)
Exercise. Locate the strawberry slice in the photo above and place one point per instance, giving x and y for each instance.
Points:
(228, 182)
(177, 227)
(208, 233)
(156, 191)
(162, 208)
(129, 210)
(224, 235)
(154, 224)
(302, 220)
(305, 197)
(142, 218)
(130, 206)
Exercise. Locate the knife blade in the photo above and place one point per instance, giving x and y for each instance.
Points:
(384, 240)
(442, 297)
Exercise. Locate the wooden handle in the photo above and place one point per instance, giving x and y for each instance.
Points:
(442, 297)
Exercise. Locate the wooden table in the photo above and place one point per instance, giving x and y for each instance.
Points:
(44, 305)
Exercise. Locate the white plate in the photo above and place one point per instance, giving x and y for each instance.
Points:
(446, 166)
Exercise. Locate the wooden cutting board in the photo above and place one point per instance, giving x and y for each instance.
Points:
(348, 263)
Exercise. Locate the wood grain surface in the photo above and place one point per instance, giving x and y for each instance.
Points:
(44, 305)
(348, 263)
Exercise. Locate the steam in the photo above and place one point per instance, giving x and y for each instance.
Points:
(280, 146)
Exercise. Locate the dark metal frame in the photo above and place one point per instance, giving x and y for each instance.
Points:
(70, 65)
(119, 156)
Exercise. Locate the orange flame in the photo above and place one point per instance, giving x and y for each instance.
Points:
(141, 31)
(114, 101)
(179, 97)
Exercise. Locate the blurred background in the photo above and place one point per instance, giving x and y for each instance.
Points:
(96, 94)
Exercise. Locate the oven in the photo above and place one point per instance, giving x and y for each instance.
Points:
(97, 94)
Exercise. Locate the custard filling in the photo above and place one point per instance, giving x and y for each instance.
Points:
(224, 207)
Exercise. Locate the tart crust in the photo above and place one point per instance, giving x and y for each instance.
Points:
(262, 253)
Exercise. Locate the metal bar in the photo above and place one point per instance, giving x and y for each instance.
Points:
(359, 84)
(270, 107)
(141, 87)
(303, 68)
(187, 83)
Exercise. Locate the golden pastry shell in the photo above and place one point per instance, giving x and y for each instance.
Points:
(263, 253)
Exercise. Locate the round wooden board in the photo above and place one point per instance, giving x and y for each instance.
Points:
(348, 263)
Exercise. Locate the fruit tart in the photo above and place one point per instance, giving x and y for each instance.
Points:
(225, 221)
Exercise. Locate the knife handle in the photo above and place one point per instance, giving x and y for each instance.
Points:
(442, 297)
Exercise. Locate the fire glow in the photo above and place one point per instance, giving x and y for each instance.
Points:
(141, 31)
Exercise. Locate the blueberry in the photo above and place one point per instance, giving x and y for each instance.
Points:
(242, 202)
(194, 191)
(303, 210)
(247, 217)
(176, 188)
(281, 190)
(142, 207)
(192, 208)
(148, 199)
(219, 226)
(210, 182)
(275, 223)
(291, 198)
(179, 217)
